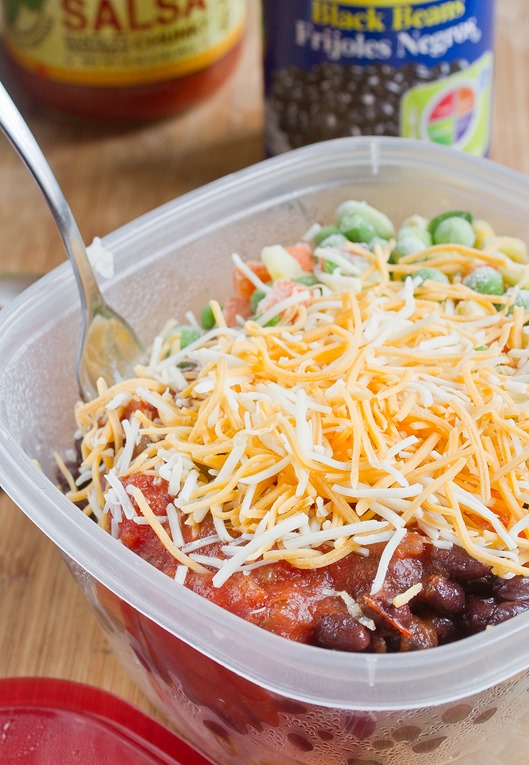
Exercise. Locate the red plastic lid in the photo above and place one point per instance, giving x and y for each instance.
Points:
(46, 721)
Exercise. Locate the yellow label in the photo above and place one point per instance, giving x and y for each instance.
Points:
(341, 14)
(381, 3)
(108, 43)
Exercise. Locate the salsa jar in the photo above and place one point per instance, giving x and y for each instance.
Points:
(411, 68)
(122, 59)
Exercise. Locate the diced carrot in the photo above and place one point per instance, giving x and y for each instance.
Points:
(302, 252)
(242, 286)
(282, 289)
(236, 306)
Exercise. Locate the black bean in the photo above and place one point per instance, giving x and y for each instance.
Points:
(367, 99)
(479, 612)
(457, 564)
(403, 573)
(401, 629)
(443, 69)
(446, 629)
(484, 612)
(444, 595)
(423, 635)
(378, 644)
(393, 642)
(311, 93)
(458, 65)
(481, 587)
(423, 73)
(508, 609)
(392, 86)
(516, 588)
(341, 632)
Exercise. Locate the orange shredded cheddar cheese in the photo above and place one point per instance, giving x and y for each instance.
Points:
(363, 413)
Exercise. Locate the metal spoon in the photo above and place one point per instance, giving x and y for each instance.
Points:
(109, 347)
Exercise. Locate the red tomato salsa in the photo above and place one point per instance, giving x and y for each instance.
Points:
(332, 606)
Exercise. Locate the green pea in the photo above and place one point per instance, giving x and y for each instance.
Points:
(207, 320)
(432, 274)
(376, 240)
(357, 228)
(309, 280)
(485, 280)
(432, 226)
(416, 221)
(187, 334)
(408, 245)
(323, 233)
(273, 321)
(455, 230)
(521, 299)
(255, 299)
(418, 233)
(380, 222)
(334, 240)
(329, 266)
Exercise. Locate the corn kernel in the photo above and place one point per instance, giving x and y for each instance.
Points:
(470, 308)
(483, 231)
(514, 248)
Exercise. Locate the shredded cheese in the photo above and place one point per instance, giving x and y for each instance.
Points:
(409, 594)
(368, 411)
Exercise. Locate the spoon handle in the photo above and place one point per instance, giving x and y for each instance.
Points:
(109, 348)
(15, 128)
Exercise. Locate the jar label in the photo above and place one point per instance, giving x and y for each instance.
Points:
(120, 42)
(403, 67)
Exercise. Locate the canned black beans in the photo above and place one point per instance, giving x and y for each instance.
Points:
(413, 69)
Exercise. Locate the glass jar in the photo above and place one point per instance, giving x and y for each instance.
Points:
(122, 59)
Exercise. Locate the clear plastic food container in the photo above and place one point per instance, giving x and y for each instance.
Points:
(239, 693)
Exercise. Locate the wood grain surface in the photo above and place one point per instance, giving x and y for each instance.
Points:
(110, 176)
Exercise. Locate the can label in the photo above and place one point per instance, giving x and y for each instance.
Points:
(406, 68)
(120, 42)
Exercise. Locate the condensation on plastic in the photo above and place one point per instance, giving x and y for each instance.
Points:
(279, 701)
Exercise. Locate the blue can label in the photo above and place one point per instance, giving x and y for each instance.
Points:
(343, 67)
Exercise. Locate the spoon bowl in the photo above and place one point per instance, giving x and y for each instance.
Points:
(109, 347)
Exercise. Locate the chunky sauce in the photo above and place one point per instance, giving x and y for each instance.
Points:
(459, 595)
